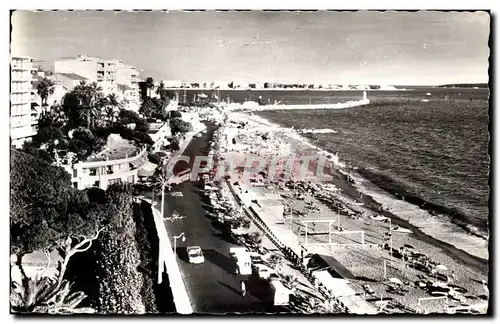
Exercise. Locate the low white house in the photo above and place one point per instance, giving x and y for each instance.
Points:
(159, 133)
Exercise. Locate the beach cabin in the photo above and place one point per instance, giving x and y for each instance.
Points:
(281, 294)
(242, 259)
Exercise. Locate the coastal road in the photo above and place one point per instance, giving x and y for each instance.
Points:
(213, 286)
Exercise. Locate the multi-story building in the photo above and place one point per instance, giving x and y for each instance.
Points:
(113, 76)
(93, 69)
(69, 80)
(23, 116)
(106, 168)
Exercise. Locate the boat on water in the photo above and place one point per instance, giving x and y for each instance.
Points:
(429, 94)
(202, 95)
(424, 100)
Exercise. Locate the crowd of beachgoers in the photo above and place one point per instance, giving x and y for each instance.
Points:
(395, 269)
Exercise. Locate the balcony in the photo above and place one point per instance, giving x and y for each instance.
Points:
(21, 67)
(21, 90)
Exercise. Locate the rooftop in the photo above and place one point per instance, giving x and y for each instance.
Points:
(116, 148)
(72, 76)
(124, 87)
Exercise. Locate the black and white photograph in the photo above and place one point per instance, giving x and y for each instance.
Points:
(226, 162)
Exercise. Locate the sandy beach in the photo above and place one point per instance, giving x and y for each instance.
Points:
(365, 263)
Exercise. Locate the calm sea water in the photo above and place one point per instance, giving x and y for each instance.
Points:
(433, 153)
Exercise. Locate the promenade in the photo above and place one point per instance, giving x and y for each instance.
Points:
(286, 238)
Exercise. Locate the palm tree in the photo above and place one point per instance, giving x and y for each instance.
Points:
(159, 183)
(90, 100)
(113, 105)
(160, 89)
(150, 84)
(45, 88)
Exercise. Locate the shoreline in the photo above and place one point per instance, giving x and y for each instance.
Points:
(349, 190)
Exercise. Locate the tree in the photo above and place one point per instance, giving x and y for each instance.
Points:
(71, 109)
(275, 261)
(254, 239)
(154, 158)
(160, 89)
(175, 114)
(45, 88)
(112, 106)
(150, 84)
(174, 144)
(90, 101)
(128, 117)
(141, 126)
(47, 212)
(32, 149)
(47, 135)
(147, 107)
(178, 125)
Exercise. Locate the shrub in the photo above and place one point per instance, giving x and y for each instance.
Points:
(141, 126)
(175, 114)
(154, 158)
(120, 282)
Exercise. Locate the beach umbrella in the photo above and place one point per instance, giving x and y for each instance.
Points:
(395, 281)
(441, 267)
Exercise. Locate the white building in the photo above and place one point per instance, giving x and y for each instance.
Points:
(172, 83)
(159, 133)
(113, 76)
(22, 123)
(69, 80)
(259, 85)
(109, 166)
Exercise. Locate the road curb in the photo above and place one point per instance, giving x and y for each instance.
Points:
(179, 292)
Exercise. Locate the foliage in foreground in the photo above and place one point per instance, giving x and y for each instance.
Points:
(118, 259)
(45, 296)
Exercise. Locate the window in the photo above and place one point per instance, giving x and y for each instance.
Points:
(93, 172)
(75, 173)
(75, 185)
(96, 184)
(130, 179)
(109, 169)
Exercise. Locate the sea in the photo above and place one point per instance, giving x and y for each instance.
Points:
(423, 152)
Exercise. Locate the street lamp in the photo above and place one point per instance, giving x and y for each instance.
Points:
(175, 241)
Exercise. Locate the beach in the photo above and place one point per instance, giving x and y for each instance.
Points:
(367, 264)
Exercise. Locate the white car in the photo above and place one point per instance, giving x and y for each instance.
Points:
(177, 194)
(195, 255)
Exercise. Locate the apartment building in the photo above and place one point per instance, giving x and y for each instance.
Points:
(108, 167)
(127, 78)
(113, 76)
(23, 116)
(93, 69)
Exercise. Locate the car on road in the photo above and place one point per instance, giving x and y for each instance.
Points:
(195, 254)
(176, 194)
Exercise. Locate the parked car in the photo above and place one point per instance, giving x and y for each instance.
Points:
(195, 254)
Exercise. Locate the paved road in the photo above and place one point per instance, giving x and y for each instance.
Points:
(212, 286)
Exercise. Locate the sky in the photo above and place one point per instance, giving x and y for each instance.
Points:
(387, 48)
